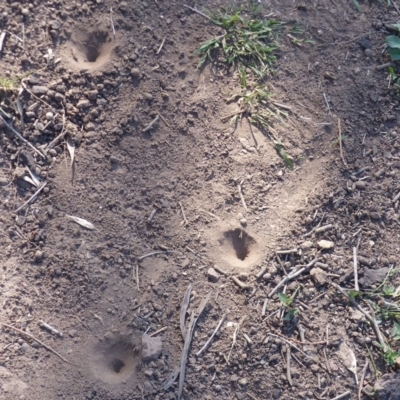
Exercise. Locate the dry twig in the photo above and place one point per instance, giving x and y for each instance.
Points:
(36, 340)
(33, 197)
(340, 143)
(198, 12)
(148, 127)
(241, 194)
(212, 336)
(15, 132)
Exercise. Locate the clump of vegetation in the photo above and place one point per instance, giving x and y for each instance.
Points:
(248, 47)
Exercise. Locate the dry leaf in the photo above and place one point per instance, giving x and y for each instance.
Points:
(35, 178)
(348, 358)
(82, 222)
(71, 150)
(31, 181)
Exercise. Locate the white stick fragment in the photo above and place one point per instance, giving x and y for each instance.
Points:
(154, 253)
(327, 103)
(241, 195)
(2, 37)
(264, 309)
(212, 336)
(71, 150)
(183, 213)
(112, 22)
(342, 395)
(148, 127)
(162, 44)
(356, 287)
(81, 221)
(50, 329)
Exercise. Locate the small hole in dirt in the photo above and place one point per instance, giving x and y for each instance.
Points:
(117, 365)
(240, 242)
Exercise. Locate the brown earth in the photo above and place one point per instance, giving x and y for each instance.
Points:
(173, 189)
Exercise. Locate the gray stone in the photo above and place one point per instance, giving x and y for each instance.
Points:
(326, 244)
(213, 275)
(39, 90)
(319, 276)
(373, 276)
(38, 255)
(83, 104)
(151, 347)
(135, 72)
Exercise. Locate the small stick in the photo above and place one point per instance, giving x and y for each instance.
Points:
(283, 252)
(290, 344)
(112, 22)
(184, 308)
(293, 340)
(323, 228)
(248, 340)
(288, 374)
(241, 195)
(59, 137)
(159, 331)
(23, 36)
(252, 134)
(292, 275)
(342, 395)
(148, 127)
(384, 66)
(395, 6)
(162, 44)
(153, 213)
(302, 332)
(397, 197)
(198, 12)
(2, 37)
(364, 371)
(183, 213)
(50, 329)
(31, 198)
(283, 106)
(264, 309)
(327, 334)
(15, 132)
(356, 287)
(326, 361)
(221, 271)
(340, 142)
(367, 315)
(327, 103)
(240, 283)
(212, 336)
(154, 253)
(262, 272)
(194, 252)
(164, 120)
(36, 340)
(36, 97)
(235, 336)
(137, 276)
(210, 214)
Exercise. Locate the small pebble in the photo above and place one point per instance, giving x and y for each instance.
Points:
(135, 72)
(38, 255)
(148, 96)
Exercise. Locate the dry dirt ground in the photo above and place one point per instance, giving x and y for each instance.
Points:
(173, 190)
